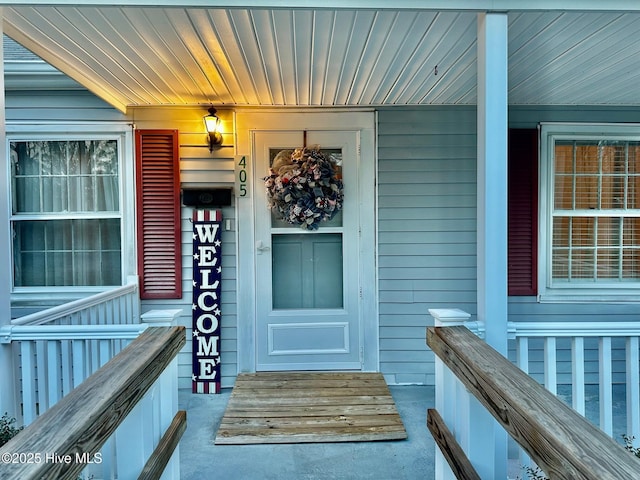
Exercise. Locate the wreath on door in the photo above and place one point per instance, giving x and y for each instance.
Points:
(304, 187)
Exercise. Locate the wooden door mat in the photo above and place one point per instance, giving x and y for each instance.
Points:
(309, 407)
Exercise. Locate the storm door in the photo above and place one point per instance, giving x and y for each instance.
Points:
(307, 285)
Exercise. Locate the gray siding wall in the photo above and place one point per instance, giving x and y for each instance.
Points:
(426, 228)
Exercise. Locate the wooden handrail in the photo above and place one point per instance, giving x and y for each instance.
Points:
(562, 442)
(158, 460)
(80, 423)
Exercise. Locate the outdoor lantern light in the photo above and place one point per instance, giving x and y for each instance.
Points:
(212, 123)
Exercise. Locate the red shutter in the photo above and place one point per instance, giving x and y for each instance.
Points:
(158, 207)
(523, 212)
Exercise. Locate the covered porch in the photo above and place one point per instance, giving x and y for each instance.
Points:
(49, 349)
(445, 83)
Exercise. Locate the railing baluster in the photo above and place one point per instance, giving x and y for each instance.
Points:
(577, 375)
(522, 356)
(67, 366)
(54, 369)
(633, 389)
(606, 393)
(79, 361)
(41, 377)
(104, 348)
(28, 382)
(550, 365)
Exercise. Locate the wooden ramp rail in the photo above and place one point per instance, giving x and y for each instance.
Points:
(59, 442)
(562, 442)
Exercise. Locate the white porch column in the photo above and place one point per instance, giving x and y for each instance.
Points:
(7, 387)
(492, 177)
(492, 226)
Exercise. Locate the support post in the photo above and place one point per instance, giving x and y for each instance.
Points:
(7, 372)
(489, 447)
(448, 391)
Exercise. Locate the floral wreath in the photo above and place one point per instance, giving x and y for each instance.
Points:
(304, 187)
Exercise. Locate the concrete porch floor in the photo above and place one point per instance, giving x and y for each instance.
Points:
(413, 458)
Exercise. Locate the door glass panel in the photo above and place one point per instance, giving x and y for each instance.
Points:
(307, 270)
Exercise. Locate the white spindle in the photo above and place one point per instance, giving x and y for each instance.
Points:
(577, 375)
(54, 369)
(522, 359)
(633, 388)
(550, 365)
(41, 377)
(28, 382)
(79, 361)
(522, 353)
(131, 455)
(448, 401)
(606, 393)
(105, 351)
(67, 366)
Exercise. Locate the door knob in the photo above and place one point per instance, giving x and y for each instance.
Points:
(261, 247)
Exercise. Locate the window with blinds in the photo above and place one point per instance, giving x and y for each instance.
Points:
(593, 213)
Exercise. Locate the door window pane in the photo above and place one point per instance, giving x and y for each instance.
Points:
(307, 271)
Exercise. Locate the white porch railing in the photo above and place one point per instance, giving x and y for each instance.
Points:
(613, 346)
(116, 306)
(56, 349)
(122, 422)
(580, 357)
(54, 359)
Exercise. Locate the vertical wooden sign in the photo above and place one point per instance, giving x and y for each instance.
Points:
(206, 301)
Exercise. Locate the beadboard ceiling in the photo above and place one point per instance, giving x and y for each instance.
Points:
(136, 56)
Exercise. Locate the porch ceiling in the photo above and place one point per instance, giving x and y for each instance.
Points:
(136, 56)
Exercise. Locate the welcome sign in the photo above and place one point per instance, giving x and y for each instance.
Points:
(206, 301)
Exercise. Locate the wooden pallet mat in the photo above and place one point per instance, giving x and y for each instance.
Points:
(310, 407)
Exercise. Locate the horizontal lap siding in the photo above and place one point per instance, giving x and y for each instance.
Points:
(426, 230)
(201, 169)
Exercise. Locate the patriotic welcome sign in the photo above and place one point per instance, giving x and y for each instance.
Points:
(206, 301)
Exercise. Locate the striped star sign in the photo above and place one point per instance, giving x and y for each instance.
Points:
(206, 301)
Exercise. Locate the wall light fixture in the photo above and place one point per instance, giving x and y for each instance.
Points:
(212, 124)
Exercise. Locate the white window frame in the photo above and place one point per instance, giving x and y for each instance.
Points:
(123, 134)
(548, 290)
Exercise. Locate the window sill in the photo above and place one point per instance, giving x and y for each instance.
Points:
(588, 295)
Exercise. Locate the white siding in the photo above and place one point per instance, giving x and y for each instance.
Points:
(66, 106)
(427, 229)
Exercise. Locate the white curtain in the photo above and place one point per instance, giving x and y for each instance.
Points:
(70, 180)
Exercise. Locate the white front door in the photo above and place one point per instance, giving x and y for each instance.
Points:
(308, 305)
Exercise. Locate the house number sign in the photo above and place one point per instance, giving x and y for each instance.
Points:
(206, 301)
(242, 176)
